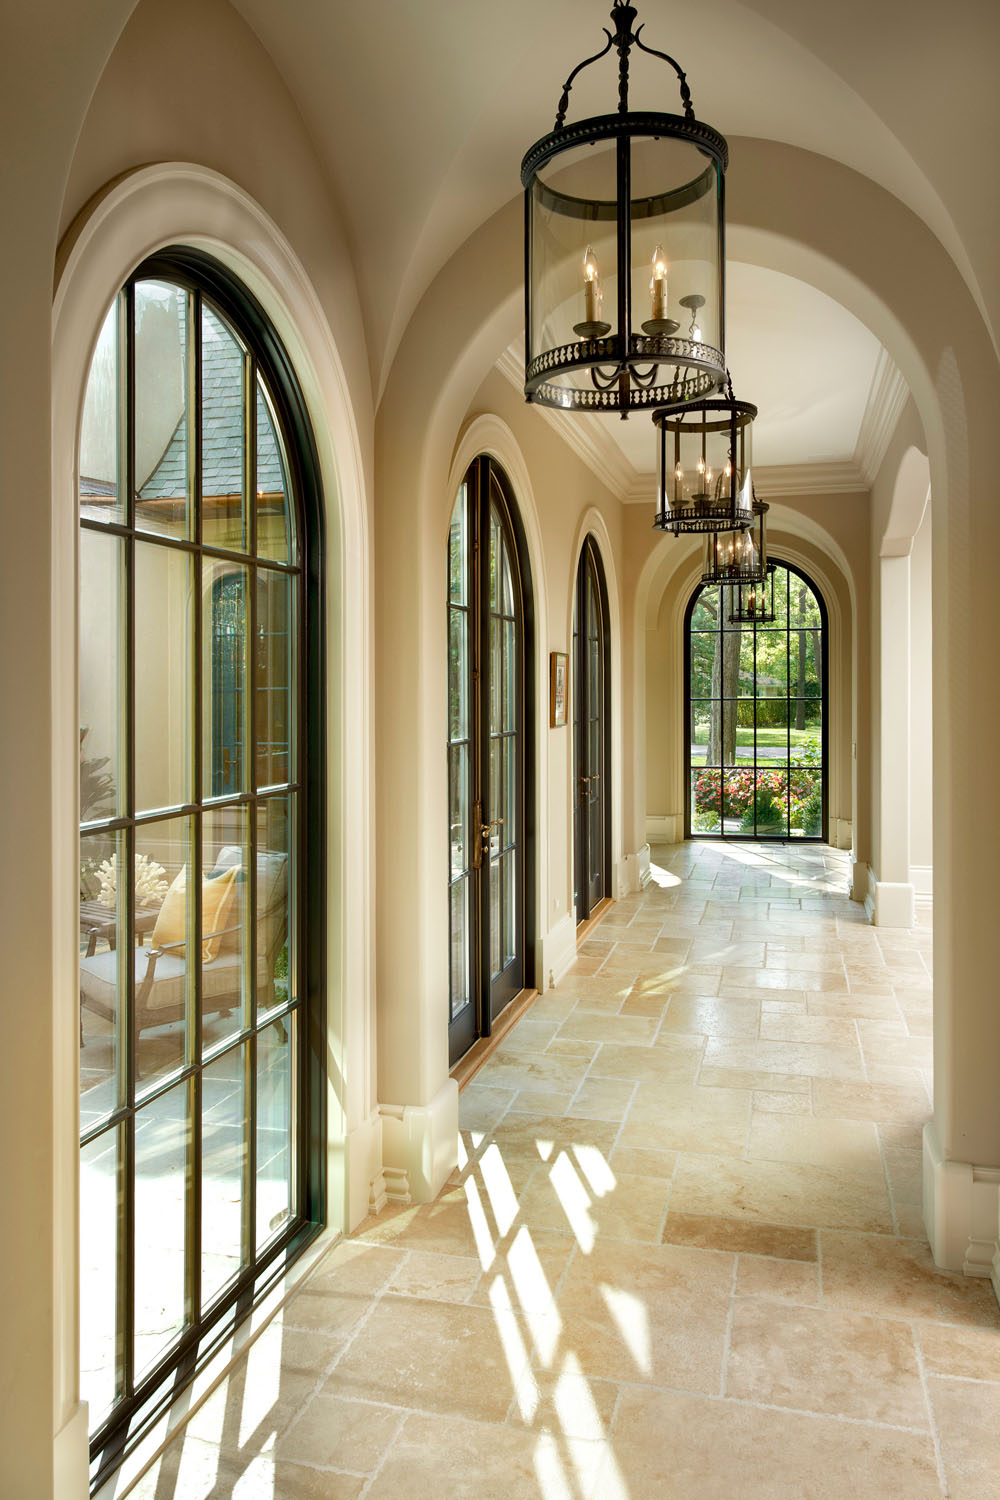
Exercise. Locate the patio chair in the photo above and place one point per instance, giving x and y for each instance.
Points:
(160, 971)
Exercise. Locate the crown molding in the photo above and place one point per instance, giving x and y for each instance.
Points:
(840, 477)
(887, 396)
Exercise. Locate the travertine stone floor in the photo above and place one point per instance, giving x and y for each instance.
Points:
(682, 1258)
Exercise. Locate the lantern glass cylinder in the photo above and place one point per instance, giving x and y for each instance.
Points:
(624, 265)
(704, 467)
(738, 556)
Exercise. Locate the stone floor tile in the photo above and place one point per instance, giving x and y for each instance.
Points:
(714, 1232)
(771, 1102)
(848, 1145)
(682, 1117)
(444, 1278)
(782, 1026)
(602, 1099)
(967, 1415)
(898, 1278)
(586, 1026)
(780, 1192)
(709, 1016)
(720, 1450)
(646, 1064)
(814, 1059)
(843, 1364)
(971, 1353)
(748, 1078)
(643, 1161)
(778, 1280)
(333, 1433)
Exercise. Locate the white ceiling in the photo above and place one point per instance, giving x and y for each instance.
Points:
(421, 113)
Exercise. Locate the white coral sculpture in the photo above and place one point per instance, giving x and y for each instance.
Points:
(150, 882)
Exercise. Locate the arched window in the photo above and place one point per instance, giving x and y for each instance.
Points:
(490, 744)
(756, 714)
(200, 856)
(591, 697)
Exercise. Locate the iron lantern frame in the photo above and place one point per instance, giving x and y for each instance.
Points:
(719, 509)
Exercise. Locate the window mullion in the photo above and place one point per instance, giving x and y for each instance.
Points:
(126, 940)
(193, 1237)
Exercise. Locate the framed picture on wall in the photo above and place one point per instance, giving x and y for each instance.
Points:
(558, 688)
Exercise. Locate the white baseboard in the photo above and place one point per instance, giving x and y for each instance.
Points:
(858, 882)
(71, 1457)
(363, 1185)
(420, 1145)
(922, 879)
(889, 903)
(558, 950)
(633, 871)
(841, 833)
(961, 1212)
(665, 828)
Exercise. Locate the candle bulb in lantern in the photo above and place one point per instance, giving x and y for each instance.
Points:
(591, 287)
(658, 285)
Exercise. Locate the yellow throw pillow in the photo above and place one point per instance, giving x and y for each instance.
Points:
(216, 899)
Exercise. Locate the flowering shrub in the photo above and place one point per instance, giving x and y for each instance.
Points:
(801, 787)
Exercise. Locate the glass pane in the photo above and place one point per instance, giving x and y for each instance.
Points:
(458, 582)
(706, 802)
(495, 934)
(223, 432)
(772, 805)
(497, 684)
(458, 628)
(738, 745)
(458, 788)
(162, 449)
(100, 1363)
(806, 803)
(101, 574)
(101, 977)
(805, 716)
(225, 938)
(163, 638)
(164, 919)
(277, 969)
(276, 1045)
(703, 655)
(704, 722)
(223, 677)
(507, 596)
(510, 831)
(746, 667)
(710, 718)
(100, 489)
(274, 678)
(738, 790)
(224, 1156)
(510, 674)
(772, 731)
(496, 546)
(162, 1141)
(460, 893)
(509, 909)
(728, 595)
(705, 615)
(274, 538)
(780, 597)
(496, 800)
(772, 664)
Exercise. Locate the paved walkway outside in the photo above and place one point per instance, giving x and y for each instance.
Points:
(683, 1258)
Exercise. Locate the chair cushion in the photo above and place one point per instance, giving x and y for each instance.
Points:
(220, 980)
(216, 904)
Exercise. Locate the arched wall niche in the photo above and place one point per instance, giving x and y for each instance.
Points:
(151, 208)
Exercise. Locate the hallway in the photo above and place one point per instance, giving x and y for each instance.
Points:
(683, 1253)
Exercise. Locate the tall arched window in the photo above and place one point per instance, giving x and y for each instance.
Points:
(200, 617)
(756, 714)
(490, 745)
(591, 697)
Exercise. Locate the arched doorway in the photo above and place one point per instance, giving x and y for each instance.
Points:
(755, 710)
(201, 899)
(490, 734)
(591, 739)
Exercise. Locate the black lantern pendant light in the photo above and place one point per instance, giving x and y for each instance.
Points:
(753, 603)
(738, 556)
(703, 466)
(624, 251)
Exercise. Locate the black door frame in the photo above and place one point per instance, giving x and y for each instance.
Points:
(488, 484)
(586, 901)
(762, 838)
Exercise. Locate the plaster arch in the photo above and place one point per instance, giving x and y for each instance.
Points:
(911, 492)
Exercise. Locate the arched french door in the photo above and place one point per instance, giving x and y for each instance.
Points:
(756, 737)
(490, 737)
(201, 835)
(591, 738)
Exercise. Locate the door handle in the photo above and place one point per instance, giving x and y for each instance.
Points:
(484, 833)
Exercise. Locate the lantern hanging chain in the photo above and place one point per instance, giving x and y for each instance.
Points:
(623, 39)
